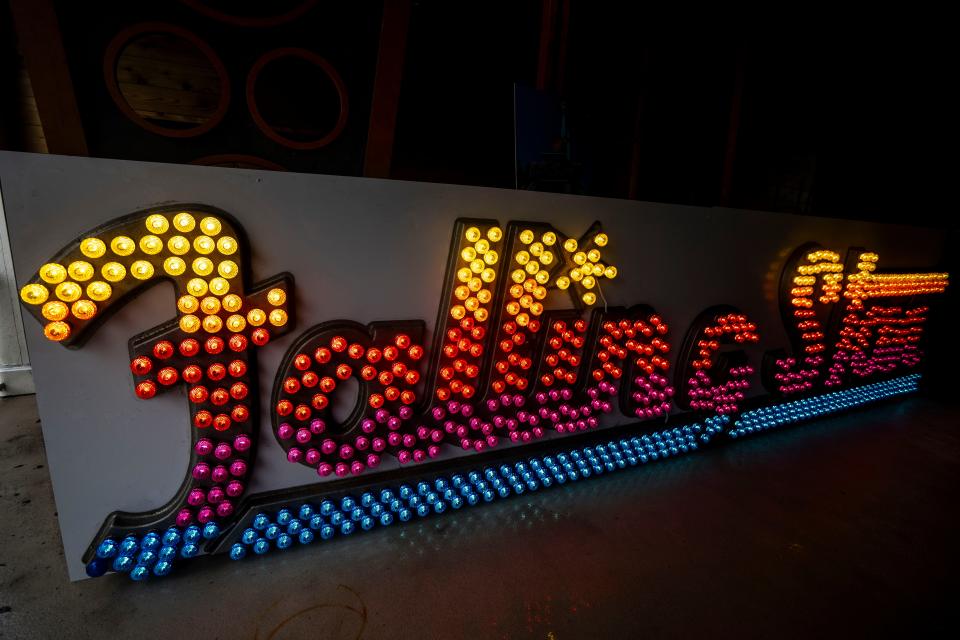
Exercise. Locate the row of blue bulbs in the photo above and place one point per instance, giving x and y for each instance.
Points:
(759, 420)
(153, 553)
(385, 506)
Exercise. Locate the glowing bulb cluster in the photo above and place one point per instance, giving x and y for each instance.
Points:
(306, 427)
(720, 391)
(101, 269)
(586, 269)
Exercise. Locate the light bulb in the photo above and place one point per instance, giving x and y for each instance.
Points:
(579, 257)
(518, 276)
(189, 323)
(256, 317)
(526, 236)
(278, 317)
(588, 282)
(122, 246)
(236, 323)
(536, 249)
(174, 266)
(570, 245)
(68, 291)
(212, 324)
(494, 234)
(202, 266)
(55, 310)
(53, 273)
(156, 223)
(233, 303)
(93, 247)
(472, 234)
(464, 274)
(99, 291)
(187, 304)
(542, 276)
(482, 246)
(228, 269)
(491, 257)
(522, 257)
(197, 287)
(84, 309)
(219, 286)
(57, 331)
(476, 266)
(184, 222)
(178, 245)
(276, 297)
(563, 282)
(210, 305)
(610, 272)
(113, 271)
(468, 254)
(458, 312)
(204, 244)
(546, 258)
(575, 275)
(549, 238)
(488, 275)
(481, 315)
(600, 240)
(210, 226)
(589, 298)
(593, 255)
(462, 292)
(151, 245)
(227, 245)
(141, 270)
(484, 296)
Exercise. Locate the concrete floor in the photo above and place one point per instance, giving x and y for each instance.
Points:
(846, 527)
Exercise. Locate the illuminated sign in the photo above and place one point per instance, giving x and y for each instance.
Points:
(525, 346)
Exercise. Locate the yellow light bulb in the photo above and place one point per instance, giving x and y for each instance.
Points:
(57, 331)
(212, 324)
(526, 236)
(563, 282)
(518, 276)
(93, 247)
(600, 240)
(184, 222)
(204, 244)
(256, 317)
(468, 254)
(579, 257)
(542, 276)
(494, 234)
(190, 323)
(210, 305)
(187, 304)
(156, 223)
(546, 258)
(540, 293)
(458, 312)
(522, 257)
(203, 266)
(84, 309)
(228, 269)
(484, 296)
(513, 307)
(53, 273)
(593, 255)
(472, 234)
(219, 286)
(588, 282)
(549, 238)
(610, 272)
(81, 270)
(536, 249)
(278, 317)
(197, 287)
(598, 269)
(210, 226)
(471, 304)
(151, 245)
(236, 323)
(482, 246)
(34, 293)
(141, 270)
(491, 257)
(575, 275)
(232, 302)
(174, 266)
(476, 266)
(55, 310)
(68, 291)
(464, 274)
(122, 246)
(276, 297)
(570, 245)
(113, 271)
(475, 284)
(589, 298)
(481, 315)
(461, 293)
(227, 245)
(532, 267)
(178, 245)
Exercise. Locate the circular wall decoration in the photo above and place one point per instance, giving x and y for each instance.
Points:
(288, 111)
(166, 79)
(211, 9)
(237, 161)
